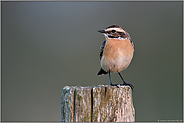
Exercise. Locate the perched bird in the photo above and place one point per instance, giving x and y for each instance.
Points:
(116, 52)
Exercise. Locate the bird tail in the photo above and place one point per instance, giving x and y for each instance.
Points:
(102, 72)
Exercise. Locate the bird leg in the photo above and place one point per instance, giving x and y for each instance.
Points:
(124, 83)
(110, 80)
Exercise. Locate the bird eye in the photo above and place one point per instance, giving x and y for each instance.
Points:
(113, 31)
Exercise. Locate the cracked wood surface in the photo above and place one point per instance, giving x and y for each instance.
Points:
(103, 103)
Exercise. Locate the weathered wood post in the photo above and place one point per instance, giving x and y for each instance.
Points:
(103, 103)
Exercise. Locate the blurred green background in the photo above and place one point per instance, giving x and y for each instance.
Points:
(48, 45)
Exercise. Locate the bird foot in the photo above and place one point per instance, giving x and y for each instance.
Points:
(126, 84)
(115, 85)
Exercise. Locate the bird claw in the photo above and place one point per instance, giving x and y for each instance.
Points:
(126, 84)
(115, 85)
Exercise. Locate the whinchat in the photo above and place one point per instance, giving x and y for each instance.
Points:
(116, 52)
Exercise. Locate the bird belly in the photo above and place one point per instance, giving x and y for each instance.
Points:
(116, 58)
(115, 65)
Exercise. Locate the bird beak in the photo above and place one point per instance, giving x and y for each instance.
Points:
(101, 31)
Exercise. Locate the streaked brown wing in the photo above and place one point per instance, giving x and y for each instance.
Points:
(102, 48)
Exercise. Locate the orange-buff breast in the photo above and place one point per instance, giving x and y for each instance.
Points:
(117, 55)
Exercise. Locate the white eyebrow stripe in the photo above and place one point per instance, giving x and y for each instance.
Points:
(117, 29)
(120, 38)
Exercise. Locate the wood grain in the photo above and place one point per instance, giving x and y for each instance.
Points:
(103, 103)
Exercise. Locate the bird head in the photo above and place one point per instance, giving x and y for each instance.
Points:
(115, 31)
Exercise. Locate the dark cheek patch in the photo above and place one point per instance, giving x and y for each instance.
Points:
(122, 35)
(117, 35)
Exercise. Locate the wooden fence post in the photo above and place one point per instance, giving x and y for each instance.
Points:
(103, 103)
